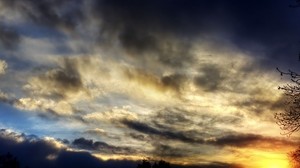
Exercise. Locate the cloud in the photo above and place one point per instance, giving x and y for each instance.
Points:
(173, 116)
(58, 89)
(99, 146)
(9, 38)
(149, 36)
(48, 13)
(161, 83)
(89, 144)
(61, 83)
(169, 151)
(49, 152)
(3, 66)
(167, 134)
(210, 78)
(96, 131)
(111, 116)
(156, 31)
(260, 106)
(250, 140)
(233, 139)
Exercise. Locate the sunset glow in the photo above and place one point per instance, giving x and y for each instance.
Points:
(267, 159)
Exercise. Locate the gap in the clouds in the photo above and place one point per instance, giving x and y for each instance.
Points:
(35, 31)
(57, 38)
(13, 118)
(30, 122)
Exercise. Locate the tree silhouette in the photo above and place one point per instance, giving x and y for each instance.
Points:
(145, 164)
(156, 164)
(8, 161)
(161, 164)
(295, 158)
(289, 119)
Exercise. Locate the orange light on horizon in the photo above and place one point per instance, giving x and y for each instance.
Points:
(266, 159)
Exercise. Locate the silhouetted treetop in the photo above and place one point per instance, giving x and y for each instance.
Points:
(289, 119)
(9, 161)
(156, 164)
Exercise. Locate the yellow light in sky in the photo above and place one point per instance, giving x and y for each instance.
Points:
(268, 159)
(262, 157)
(274, 164)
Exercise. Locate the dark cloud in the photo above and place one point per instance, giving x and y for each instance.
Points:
(209, 121)
(260, 106)
(205, 125)
(56, 13)
(9, 38)
(175, 81)
(164, 31)
(99, 146)
(174, 119)
(247, 140)
(89, 144)
(61, 81)
(164, 150)
(172, 116)
(7, 100)
(148, 28)
(67, 78)
(139, 137)
(229, 139)
(210, 78)
(35, 152)
(156, 16)
(64, 79)
(167, 134)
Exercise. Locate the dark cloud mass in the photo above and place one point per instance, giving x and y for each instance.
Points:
(99, 146)
(35, 153)
(149, 26)
(248, 140)
(168, 134)
(59, 84)
(163, 31)
(210, 78)
(233, 139)
(9, 38)
(56, 13)
(164, 150)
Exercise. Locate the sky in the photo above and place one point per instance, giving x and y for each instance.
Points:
(107, 83)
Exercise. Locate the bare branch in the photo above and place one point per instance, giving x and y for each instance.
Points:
(289, 120)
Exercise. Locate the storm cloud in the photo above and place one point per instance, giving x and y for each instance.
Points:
(99, 146)
(35, 152)
(9, 38)
(49, 13)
